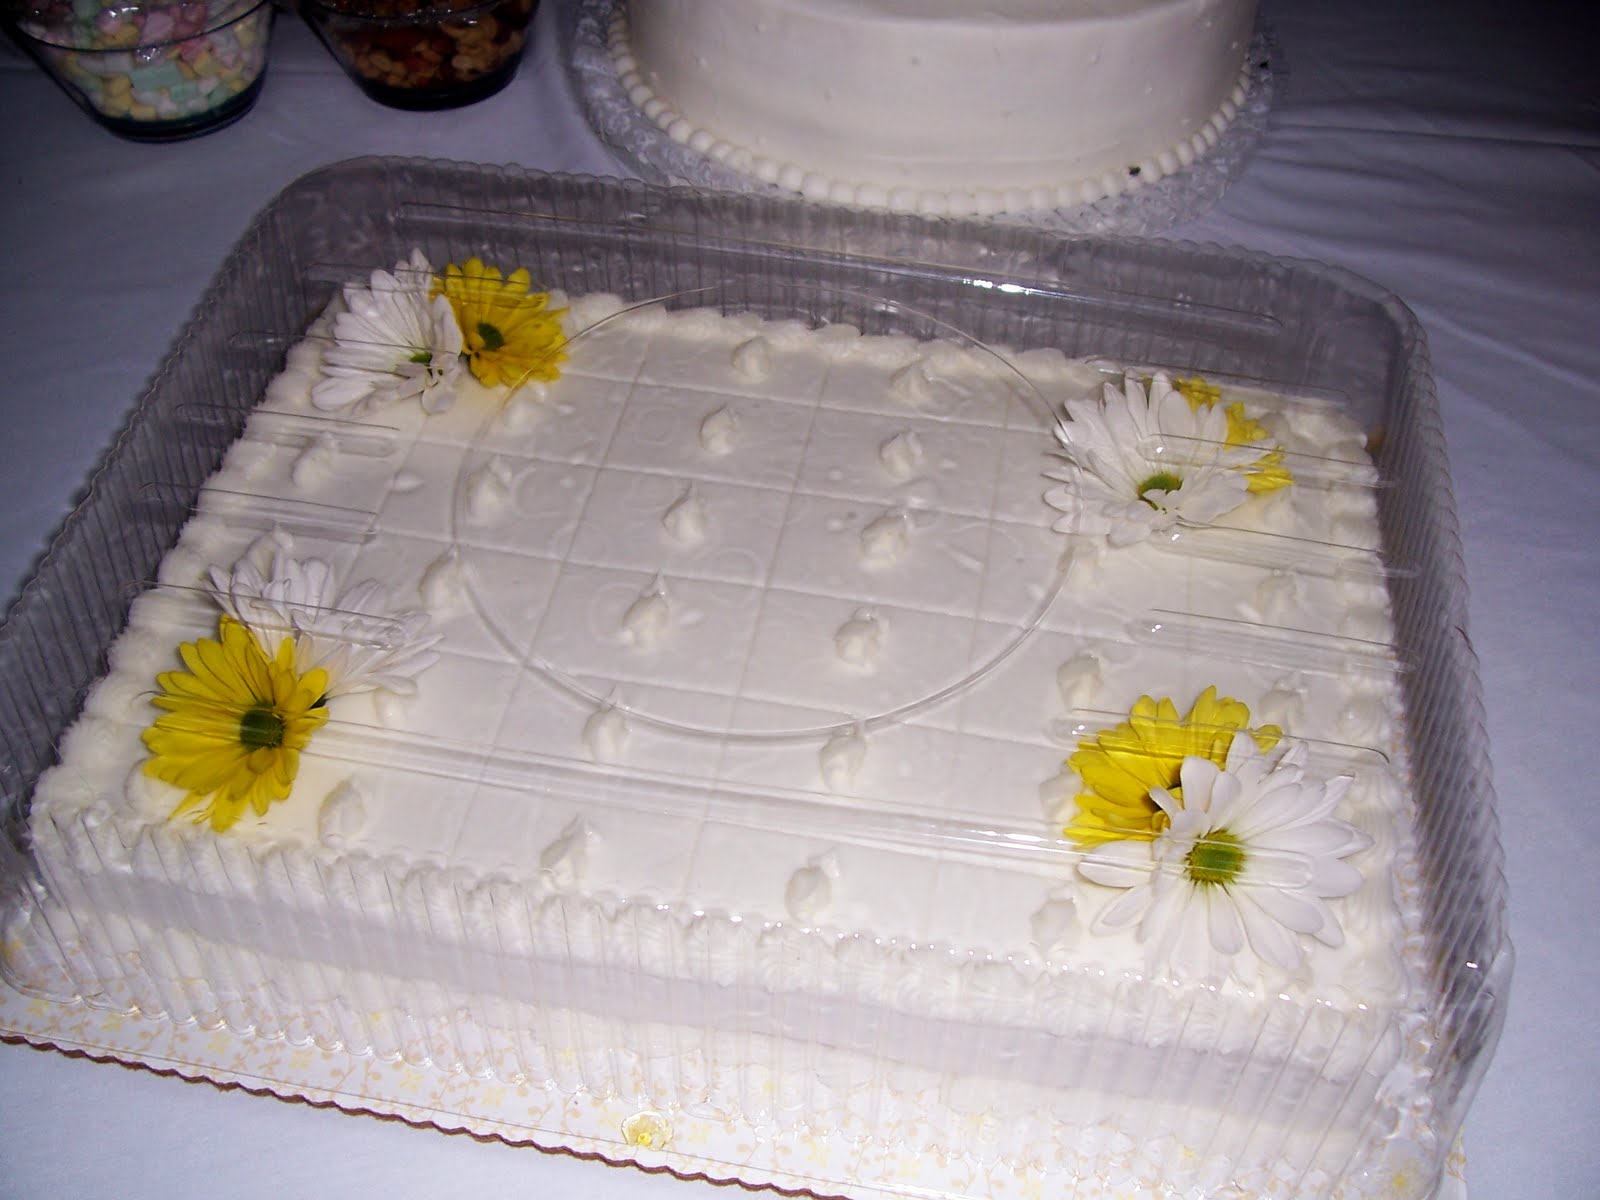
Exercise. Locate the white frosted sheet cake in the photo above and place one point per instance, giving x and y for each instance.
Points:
(875, 734)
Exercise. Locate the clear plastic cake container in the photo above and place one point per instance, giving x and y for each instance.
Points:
(1296, 327)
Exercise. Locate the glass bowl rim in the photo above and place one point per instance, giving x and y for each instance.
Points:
(61, 37)
(427, 15)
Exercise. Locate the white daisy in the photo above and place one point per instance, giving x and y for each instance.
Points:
(393, 342)
(1140, 462)
(351, 635)
(267, 587)
(1247, 865)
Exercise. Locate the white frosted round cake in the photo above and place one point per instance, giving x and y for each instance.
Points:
(760, 720)
(940, 105)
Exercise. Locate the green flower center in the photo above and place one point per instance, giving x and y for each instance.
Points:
(422, 356)
(1216, 858)
(261, 728)
(492, 338)
(1161, 481)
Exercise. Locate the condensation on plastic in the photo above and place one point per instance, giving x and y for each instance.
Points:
(1304, 329)
(1143, 211)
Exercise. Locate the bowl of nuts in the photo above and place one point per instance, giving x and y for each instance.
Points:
(423, 54)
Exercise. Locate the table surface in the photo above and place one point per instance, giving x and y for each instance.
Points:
(1450, 152)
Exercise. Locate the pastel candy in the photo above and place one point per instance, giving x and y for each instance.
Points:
(157, 76)
(179, 71)
(158, 27)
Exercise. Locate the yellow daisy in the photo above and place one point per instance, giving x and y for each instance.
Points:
(1197, 390)
(1121, 765)
(509, 334)
(235, 724)
(1267, 473)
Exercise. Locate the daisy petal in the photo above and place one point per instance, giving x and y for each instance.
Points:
(1123, 912)
(1223, 921)
(1276, 944)
(1122, 864)
(1289, 909)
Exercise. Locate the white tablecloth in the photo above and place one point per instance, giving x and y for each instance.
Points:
(1450, 152)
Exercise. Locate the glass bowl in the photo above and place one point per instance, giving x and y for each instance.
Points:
(421, 54)
(151, 72)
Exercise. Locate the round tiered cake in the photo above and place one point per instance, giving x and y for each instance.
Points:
(940, 106)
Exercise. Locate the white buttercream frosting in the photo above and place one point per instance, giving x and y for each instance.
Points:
(390, 709)
(343, 815)
(1056, 926)
(705, 836)
(686, 519)
(842, 757)
(901, 455)
(649, 617)
(521, 409)
(810, 889)
(752, 359)
(859, 641)
(489, 490)
(565, 859)
(406, 482)
(912, 383)
(1078, 679)
(443, 587)
(1057, 795)
(1281, 704)
(316, 463)
(886, 538)
(719, 430)
(1277, 597)
(1364, 719)
(605, 734)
